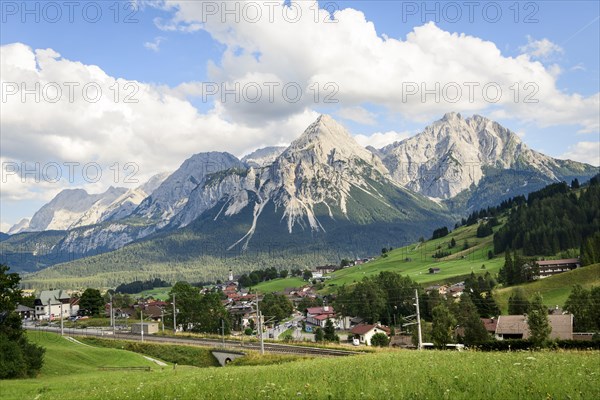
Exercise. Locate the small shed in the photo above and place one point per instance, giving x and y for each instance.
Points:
(434, 270)
(150, 328)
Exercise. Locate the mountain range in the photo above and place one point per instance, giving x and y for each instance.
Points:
(324, 196)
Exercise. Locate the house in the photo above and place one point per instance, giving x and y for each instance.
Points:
(364, 332)
(516, 327)
(326, 269)
(490, 325)
(50, 303)
(434, 270)
(320, 320)
(25, 312)
(318, 316)
(552, 267)
(314, 311)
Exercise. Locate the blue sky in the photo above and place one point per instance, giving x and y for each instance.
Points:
(170, 48)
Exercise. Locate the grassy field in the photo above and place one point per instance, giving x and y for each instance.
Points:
(180, 354)
(161, 293)
(415, 260)
(65, 358)
(71, 373)
(554, 289)
(278, 285)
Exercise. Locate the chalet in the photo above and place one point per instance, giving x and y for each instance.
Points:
(516, 327)
(552, 267)
(434, 270)
(364, 332)
(50, 303)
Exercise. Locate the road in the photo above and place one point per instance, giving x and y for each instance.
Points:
(203, 342)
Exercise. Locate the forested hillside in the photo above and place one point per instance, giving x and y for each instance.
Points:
(554, 219)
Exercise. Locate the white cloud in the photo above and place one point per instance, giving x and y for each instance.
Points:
(541, 49)
(358, 114)
(4, 227)
(155, 44)
(371, 69)
(379, 139)
(587, 152)
(156, 133)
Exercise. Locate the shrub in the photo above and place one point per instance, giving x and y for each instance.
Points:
(380, 339)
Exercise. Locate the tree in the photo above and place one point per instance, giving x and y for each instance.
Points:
(484, 230)
(319, 335)
(443, 325)
(506, 273)
(277, 306)
(283, 273)
(580, 304)
(590, 250)
(490, 254)
(537, 319)
(467, 316)
(452, 243)
(308, 302)
(212, 315)
(380, 340)
(91, 302)
(440, 232)
(345, 262)
(329, 332)
(517, 302)
(307, 275)
(245, 281)
(187, 301)
(575, 184)
(18, 357)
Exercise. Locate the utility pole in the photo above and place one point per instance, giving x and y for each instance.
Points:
(142, 323)
(62, 328)
(174, 316)
(418, 320)
(260, 332)
(112, 324)
(162, 319)
(49, 310)
(223, 331)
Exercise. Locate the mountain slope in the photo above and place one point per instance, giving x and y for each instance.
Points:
(454, 155)
(69, 207)
(263, 157)
(323, 198)
(20, 226)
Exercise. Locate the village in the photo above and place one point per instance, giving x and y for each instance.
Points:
(309, 313)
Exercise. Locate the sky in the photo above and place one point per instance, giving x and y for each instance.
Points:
(101, 93)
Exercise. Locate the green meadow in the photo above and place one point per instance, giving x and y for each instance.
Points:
(415, 260)
(555, 289)
(72, 371)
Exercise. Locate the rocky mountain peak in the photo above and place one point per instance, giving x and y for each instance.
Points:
(326, 141)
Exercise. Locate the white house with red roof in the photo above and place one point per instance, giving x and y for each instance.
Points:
(364, 332)
(318, 316)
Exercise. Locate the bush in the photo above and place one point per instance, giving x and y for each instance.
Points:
(380, 339)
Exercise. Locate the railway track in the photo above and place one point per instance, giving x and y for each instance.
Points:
(275, 348)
